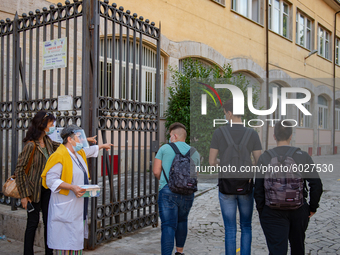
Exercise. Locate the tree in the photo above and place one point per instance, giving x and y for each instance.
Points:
(184, 103)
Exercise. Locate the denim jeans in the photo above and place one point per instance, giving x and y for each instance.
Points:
(229, 204)
(173, 211)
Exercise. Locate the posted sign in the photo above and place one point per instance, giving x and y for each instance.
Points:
(55, 54)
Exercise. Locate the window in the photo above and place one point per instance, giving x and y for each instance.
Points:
(324, 43)
(248, 8)
(304, 31)
(337, 47)
(303, 120)
(148, 85)
(337, 114)
(222, 2)
(322, 112)
(279, 17)
(277, 113)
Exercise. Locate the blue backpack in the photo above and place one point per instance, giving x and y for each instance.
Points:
(181, 176)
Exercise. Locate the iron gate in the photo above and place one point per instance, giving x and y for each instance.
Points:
(113, 73)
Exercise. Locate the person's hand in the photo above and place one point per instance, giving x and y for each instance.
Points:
(105, 146)
(311, 214)
(78, 191)
(92, 139)
(24, 202)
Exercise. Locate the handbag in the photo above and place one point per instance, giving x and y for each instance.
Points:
(10, 189)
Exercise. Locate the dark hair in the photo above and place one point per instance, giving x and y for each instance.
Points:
(282, 133)
(228, 106)
(38, 124)
(176, 125)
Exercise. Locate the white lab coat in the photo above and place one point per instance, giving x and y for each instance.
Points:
(65, 224)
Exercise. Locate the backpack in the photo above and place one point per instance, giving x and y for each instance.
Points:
(283, 190)
(180, 179)
(236, 155)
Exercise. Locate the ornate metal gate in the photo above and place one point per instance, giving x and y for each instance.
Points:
(114, 80)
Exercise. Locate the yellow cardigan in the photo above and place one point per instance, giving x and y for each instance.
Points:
(62, 156)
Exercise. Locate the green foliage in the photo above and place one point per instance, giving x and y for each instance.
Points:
(184, 103)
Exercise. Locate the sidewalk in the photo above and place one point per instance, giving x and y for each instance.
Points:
(206, 231)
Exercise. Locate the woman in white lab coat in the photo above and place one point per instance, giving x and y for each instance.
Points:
(64, 171)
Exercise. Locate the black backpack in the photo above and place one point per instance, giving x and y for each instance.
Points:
(283, 189)
(182, 176)
(231, 181)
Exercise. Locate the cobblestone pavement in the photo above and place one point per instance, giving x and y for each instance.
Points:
(206, 231)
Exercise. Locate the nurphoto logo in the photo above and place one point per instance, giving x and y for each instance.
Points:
(238, 103)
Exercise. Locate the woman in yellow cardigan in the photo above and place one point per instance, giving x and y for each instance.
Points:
(64, 171)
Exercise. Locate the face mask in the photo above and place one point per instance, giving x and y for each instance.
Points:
(78, 147)
(170, 140)
(50, 131)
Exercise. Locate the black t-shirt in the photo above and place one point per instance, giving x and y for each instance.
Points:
(236, 131)
(312, 177)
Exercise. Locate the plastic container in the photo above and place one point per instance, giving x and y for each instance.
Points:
(91, 190)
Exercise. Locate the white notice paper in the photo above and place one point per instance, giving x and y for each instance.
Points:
(65, 103)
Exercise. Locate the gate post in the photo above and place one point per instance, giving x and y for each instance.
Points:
(15, 89)
(89, 115)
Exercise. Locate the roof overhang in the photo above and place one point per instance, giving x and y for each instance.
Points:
(334, 4)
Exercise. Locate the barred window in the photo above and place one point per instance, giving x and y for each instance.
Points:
(148, 80)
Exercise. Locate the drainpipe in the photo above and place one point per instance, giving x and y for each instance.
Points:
(267, 68)
(334, 82)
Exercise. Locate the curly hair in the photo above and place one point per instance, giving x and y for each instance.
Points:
(38, 124)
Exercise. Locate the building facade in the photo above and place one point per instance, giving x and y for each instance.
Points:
(302, 48)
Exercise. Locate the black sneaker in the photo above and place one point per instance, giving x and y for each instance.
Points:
(178, 253)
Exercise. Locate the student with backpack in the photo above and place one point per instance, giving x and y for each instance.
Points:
(281, 194)
(234, 144)
(174, 166)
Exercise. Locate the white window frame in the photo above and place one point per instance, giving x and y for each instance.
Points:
(303, 120)
(337, 115)
(236, 6)
(148, 73)
(337, 51)
(277, 113)
(271, 20)
(306, 30)
(325, 36)
(322, 114)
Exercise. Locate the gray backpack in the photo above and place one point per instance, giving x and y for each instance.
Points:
(181, 179)
(283, 189)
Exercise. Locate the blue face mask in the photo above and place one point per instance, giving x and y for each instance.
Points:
(78, 147)
(170, 140)
(50, 131)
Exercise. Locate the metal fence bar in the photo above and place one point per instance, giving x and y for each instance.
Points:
(75, 36)
(37, 49)
(15, 90)
(51, 71)
(67, 53)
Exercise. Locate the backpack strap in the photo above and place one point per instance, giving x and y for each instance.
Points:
(227, 135)
(174, 147)
(291, 151)
(191, 151)
(246, 136)
(272, 153)
(166, 178)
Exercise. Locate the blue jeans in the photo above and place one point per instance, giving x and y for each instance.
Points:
(229, 205)
(173, 211)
